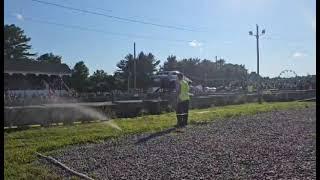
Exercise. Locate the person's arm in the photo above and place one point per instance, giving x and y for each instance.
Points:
(178, 89)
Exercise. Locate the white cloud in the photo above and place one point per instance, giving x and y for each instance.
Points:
(298, 55)
(19, 16)
(195, 43)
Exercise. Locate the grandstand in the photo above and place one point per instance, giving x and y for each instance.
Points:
(33, 79)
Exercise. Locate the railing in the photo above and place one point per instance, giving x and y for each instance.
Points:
(91, 97)
(20, 116)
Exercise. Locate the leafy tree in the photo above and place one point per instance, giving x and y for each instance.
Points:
(98, 76)
(220, 63)
(101, 81)
(120, 81)
(208, 72)
(146, 65)
(16, 44)
(124, 72)
(188, 66)
(50, 58)
(171, 64)
(79, 77)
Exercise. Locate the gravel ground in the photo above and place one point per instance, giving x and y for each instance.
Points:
(273, 145)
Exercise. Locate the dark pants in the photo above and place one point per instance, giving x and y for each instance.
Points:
(182, 113)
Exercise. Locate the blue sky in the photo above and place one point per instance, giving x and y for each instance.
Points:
(221, 29)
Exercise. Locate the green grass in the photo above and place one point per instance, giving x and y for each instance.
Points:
(19, 146)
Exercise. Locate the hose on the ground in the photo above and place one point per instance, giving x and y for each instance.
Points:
(64, 166)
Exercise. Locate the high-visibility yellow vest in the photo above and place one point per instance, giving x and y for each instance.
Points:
(184, 91)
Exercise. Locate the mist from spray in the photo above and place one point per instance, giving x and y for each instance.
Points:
(96, 115)
(81, 111)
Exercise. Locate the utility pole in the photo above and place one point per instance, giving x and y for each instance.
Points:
(216, 62)
(134, 64)
(129, 79)
(206, 79)
(257, 35)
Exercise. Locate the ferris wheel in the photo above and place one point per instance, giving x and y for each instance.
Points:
(287, 74)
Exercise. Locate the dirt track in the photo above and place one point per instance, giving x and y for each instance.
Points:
(271, 145)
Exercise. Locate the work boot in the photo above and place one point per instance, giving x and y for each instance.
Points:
(180, 130)
(179, 121)
(186, 120)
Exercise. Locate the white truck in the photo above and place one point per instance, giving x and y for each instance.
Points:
(167, 79)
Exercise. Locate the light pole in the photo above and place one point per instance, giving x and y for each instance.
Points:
(135, 66)
(257, 35)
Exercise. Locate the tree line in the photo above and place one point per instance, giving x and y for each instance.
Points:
(17, 47)
(206, 72)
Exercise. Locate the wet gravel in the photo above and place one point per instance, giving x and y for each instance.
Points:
(273, 145)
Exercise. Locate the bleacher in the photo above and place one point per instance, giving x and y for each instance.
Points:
(33, 82)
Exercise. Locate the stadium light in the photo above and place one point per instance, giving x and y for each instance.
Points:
(257, 38)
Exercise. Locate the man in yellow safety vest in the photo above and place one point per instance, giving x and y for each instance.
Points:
(182, 88)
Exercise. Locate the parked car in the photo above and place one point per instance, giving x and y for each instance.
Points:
(210, 89)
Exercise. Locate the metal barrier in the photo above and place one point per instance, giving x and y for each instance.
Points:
(48, 114)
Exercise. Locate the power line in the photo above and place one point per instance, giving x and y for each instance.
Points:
(130, 36)
(114, 17)
(101, 9)
(202, 29)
